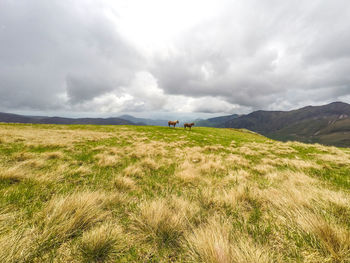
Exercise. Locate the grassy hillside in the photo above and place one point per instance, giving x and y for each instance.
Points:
(328, 124)
(156, 194)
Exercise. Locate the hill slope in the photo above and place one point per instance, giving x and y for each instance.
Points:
(15, 118)
(75, 193)
(144, 121)
(328, 124)
(215, 122)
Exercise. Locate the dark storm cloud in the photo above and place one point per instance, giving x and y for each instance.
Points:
(54, 49)
(264, 54)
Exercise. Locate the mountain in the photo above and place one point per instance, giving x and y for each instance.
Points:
(15, 118)
(143, 121)
(215, 122)
(327, 124)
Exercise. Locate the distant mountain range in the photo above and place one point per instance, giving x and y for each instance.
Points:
(15, 118)
(143, 121)
(328, 124)
(215, 122)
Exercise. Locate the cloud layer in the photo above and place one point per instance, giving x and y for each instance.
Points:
(74, 56)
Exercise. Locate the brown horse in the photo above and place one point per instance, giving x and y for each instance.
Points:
(173, 123)
(189, 125)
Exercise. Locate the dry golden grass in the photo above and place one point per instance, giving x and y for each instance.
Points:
(83, 170)
(150, 194)
(213, 164)
(65, 216)
(34, 163)
(299, 164)
(263, 168)
(14, 174)
(341, 158)
(236, 161)
(141, 149)
(23, 156)
(124, 183)
(215, 242)
(26, 170)
(54, 155)
(49, 137)
(62, 218)
(213, 148)
(105, 160)
(188, 172)
(335, 240)
(149, 164)
(133, 170)
(159, 223)
(103, 243)
(245, 150)
(187, 209)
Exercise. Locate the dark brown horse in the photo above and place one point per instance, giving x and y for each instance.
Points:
(173, 123)
(189, 125)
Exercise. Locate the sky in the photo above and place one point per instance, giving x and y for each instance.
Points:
(171, 59)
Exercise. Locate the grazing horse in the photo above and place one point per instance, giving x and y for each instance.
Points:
(189, 125)
(173, 123)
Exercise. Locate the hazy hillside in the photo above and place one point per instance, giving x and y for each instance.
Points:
(328, 124)
(215, 122)
(75, 193)
(144, 121)
(15, 118)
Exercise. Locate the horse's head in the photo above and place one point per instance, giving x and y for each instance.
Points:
(177, 121)
(192, 123)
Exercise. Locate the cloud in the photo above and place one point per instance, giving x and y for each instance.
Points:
(261, 53)
(80, 56)
(51, 51)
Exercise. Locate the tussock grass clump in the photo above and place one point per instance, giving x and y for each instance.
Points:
(66, 216)
(54, 155)
(340, 158)
(83, 170)
(23, 156)
(63, 218)
(213, 148)
(152, 149)
(14, 174)
(216, 242)
(188, 172)
(300, 164)
(105, 160)
(124, 183)
(103, 243)
(263, 168)
(213, 165)
(159, 223)
(247, 151)
(34, 163)
(19, 246)
(236, 160)
(133, 170)
(241, 197)
(335, 241)
(149, 164)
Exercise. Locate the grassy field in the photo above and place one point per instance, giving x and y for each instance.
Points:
(156, 194)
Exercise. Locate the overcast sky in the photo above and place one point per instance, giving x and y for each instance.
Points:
(166, 58)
